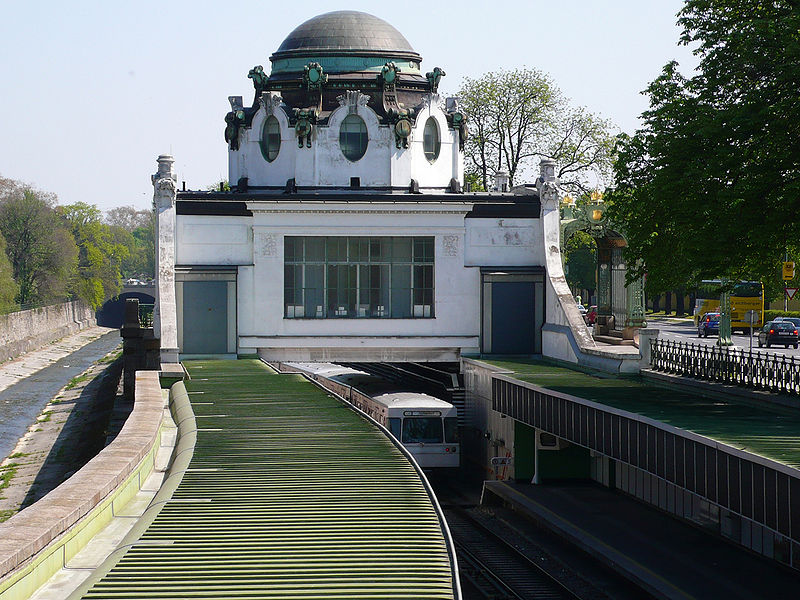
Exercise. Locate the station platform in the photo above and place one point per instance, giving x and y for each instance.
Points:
(665, 556)
(768, 430)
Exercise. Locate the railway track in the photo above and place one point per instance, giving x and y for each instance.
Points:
(495, 567)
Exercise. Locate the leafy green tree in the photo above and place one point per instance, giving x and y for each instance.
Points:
(100, 253)
(8, 287)
(134, 229)
(518, 117)
(709, 187)
(474, 181)
(40, 249)
(145, 238)
(128, 217)
(580, 259)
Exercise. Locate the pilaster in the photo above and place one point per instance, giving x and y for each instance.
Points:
(165, 321)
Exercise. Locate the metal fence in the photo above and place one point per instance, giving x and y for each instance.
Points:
(746, 368)
(14, 308)
(146, 315)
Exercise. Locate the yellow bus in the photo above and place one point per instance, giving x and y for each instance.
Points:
(746, 295)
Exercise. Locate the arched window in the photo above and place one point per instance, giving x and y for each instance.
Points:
(353, 137)
(271, 139)
(430, 140)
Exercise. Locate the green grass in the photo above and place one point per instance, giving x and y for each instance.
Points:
(19, 455)
(7, 473)
(45, 416)
(5, 515)
(109, 358)
(76, 381)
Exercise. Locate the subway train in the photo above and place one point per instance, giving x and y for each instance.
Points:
(426, 426)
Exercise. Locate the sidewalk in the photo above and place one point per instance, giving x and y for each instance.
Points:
(655, 320)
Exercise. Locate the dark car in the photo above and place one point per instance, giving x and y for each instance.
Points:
(778, 332)
(708, 324)
(794, 320)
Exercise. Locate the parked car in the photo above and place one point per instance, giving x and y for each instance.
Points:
(591, 315)
(708, 324)
(794, 320)
(779, 332)
(582, 310)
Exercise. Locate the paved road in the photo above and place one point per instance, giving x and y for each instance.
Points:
(21, 402)
(687, 332)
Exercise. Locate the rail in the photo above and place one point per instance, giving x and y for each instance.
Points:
(15, 308)
(747, 368)
(146, 315)
(359, 401)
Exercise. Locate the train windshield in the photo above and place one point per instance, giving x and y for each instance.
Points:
(394, 427)
(450, 430)
(427, 430)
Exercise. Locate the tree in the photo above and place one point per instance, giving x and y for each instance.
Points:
(128, 217)
(582, 145)
(8, 287)
(516, 117)
(134, 229)
(580, 258)
(41, 251)
(710, 185)
(100, 253)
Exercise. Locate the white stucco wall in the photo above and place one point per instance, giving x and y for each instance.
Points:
(457, 299)
(323, 164)
(256, 246)
(503, 242)
(214, 240)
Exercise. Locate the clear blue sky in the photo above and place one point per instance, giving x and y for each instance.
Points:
(94, 91)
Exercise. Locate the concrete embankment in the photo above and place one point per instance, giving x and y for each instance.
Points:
(28, 383)
(27, 330)
(36, 542)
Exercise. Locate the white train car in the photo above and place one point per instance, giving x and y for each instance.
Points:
(426, 426)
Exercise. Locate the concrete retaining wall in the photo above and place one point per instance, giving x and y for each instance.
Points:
(38, 541)
(27, 330)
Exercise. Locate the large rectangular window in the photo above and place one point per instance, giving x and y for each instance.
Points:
(358, 277)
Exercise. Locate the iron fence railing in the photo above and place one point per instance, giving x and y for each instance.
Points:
(14, 308)
(146, 315)
(747, 368)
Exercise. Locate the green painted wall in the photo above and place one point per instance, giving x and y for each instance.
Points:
(524, 452)
(572, 462)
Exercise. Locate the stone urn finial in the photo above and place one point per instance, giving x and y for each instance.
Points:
(164, 182)
(548, 184)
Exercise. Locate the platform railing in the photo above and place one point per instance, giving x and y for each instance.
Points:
(747, 368)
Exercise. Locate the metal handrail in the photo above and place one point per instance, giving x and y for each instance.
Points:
(737, 366)
(15, 308)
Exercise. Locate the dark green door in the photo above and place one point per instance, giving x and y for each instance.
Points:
(205, 317)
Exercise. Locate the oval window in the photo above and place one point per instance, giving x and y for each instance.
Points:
(430, 139)
(353, 137)
(271, 139)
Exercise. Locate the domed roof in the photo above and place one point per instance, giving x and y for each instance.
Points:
(346, 32)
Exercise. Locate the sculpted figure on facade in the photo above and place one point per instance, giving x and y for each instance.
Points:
(434, 77)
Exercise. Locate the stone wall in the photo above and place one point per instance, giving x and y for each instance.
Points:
(28, 330)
